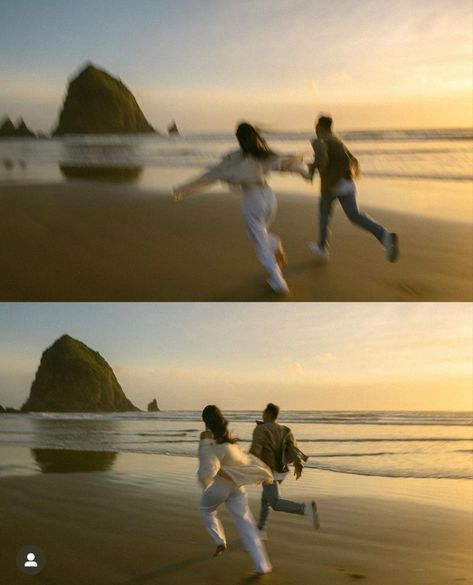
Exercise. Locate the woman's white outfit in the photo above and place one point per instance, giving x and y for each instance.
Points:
(247, 175)
(223, 470)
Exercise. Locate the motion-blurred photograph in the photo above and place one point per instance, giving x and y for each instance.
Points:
(236, 151)
(201, 444)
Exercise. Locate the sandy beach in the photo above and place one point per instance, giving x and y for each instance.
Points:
(93, 241)
(123, 529)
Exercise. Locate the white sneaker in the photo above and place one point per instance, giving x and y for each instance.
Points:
(321, 253)
(310, 512)
(278, 285)
(391, 245)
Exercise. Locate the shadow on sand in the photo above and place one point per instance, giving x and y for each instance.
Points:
(147, 578)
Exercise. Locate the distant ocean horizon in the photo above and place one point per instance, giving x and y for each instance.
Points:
(420, 444)
(433, 154)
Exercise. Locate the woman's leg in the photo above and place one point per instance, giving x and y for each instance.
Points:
(211, 499)
(237, 504)
(258, 210)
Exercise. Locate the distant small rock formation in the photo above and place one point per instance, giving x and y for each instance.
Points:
(74, 378)
(172, 129)
(9, 130)
(153, 406)
(2, 410)
(97, 103)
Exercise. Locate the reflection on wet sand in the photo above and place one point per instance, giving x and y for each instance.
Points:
(109, 161)
(101, 172)
(69, 461)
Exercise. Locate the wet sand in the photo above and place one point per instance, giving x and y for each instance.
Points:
(90, 241)
(117, 530)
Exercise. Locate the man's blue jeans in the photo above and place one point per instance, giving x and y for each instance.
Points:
(350, 207)
(270, 498)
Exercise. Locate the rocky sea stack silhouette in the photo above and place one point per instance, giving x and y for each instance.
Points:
(97, 103)
(9, 130)
(153, 406)
(74, 378)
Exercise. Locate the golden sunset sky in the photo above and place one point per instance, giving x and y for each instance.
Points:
(347, 356)
(207, 64)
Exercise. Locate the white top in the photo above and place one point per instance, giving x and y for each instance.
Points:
(240, 171)
(242, 468)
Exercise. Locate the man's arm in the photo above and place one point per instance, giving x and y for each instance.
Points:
(320, 161)
(294, 455)
(354, 164)
(256, 448)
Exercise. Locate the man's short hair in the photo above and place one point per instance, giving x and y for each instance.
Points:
(272, 410)
(325, 122)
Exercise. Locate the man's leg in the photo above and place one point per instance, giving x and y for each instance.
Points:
(325, 214)
(350, 207)
(271, 493)
(264, 512)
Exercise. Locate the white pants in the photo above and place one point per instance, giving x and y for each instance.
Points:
(224, 490)
(259, 207)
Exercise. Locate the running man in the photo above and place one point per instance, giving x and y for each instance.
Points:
(276, 446)
(337, 169)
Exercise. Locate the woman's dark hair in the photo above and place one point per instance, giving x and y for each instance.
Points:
(218, 424)
(252, 143)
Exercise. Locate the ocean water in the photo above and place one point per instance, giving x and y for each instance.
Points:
(442, 155)
(437, 445)
(422, 172)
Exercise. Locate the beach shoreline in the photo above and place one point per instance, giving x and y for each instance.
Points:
(91, 241)
(124, 531)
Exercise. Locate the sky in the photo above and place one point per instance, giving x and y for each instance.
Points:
(303, 356)
(278, 63)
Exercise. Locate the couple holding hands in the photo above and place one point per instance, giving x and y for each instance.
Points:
(224, 469)
(246, 171)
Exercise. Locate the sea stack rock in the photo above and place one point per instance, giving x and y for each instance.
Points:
(172, 129)
(23, 131)
(2, 410)
(74, 378)
(97, 103)
(153, 406)
(9, 130)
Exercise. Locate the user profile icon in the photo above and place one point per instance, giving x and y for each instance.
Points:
(30, 559)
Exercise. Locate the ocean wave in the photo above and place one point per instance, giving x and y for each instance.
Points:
(418, 176)
(389, 471)
(394, 473)
(401, 419)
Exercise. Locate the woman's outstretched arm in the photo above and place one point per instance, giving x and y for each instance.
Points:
(202, 182)
(291, 164)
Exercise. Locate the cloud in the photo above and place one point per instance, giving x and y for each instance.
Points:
(325, 358)
(121, 369)
(312, 87)
(340, 77)
(296, 368)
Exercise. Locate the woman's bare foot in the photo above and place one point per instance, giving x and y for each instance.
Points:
(281, 258)
(221, 548)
